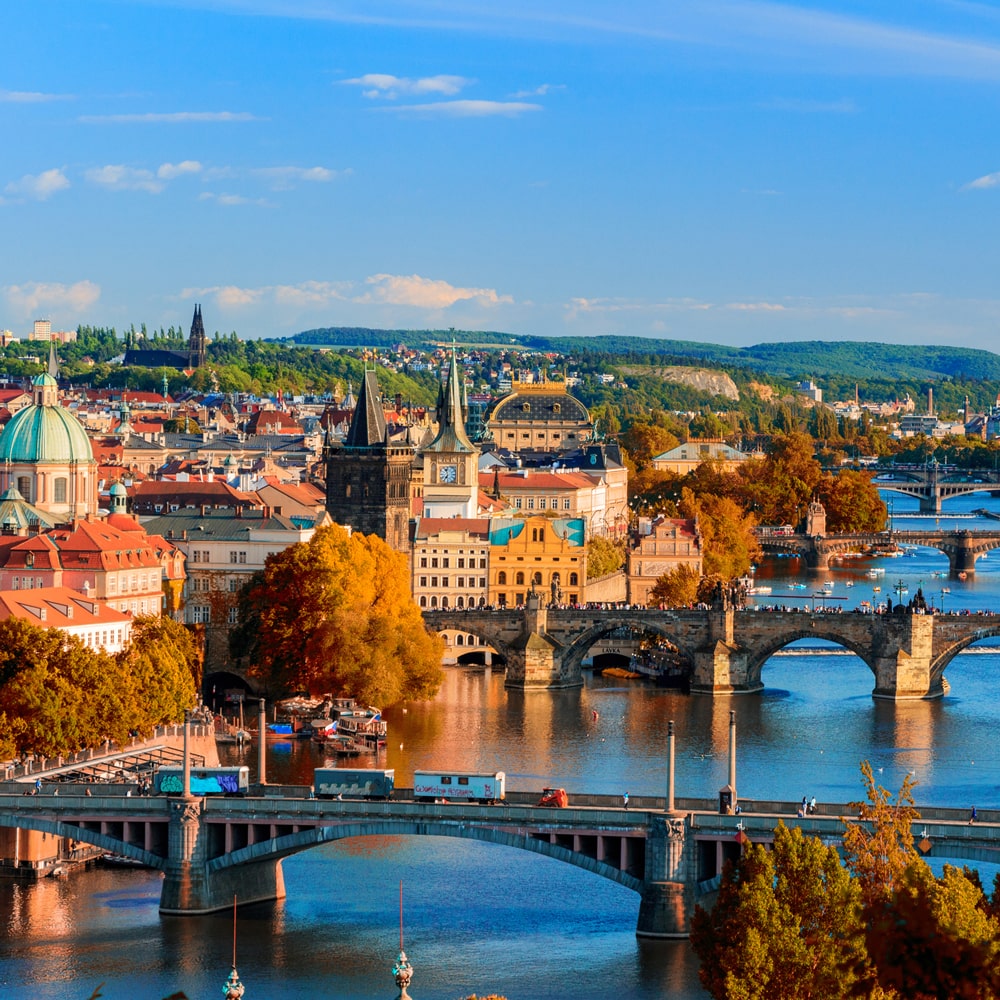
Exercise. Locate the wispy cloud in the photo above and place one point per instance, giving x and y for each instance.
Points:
(38, 187)
(755, 306)
(118, 177)
(170, 118)
(466, 109)
(35, 298)
(226, 198)
(284, 178)
(390, 87)
(426, 293)
(30, 97)
(981, 183)
(539, 91)
(379, 289)
(169, 171)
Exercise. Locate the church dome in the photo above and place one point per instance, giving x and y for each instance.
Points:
(44, 433)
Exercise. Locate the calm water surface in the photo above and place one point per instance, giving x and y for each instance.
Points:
(482, 918)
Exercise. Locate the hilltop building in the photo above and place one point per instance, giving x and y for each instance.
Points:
(193, 357)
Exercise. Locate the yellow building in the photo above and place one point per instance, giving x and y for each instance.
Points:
(540, 554)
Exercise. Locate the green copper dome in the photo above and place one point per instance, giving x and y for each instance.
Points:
(44, 434)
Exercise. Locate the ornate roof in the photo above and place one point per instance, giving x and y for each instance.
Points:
(540, 404)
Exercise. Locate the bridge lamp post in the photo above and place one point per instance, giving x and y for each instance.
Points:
(899, 588)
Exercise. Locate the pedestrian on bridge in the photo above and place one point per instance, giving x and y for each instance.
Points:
(625, 798)
(972, 816)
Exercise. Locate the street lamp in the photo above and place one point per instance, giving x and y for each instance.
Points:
(899, 588)
(942, 602)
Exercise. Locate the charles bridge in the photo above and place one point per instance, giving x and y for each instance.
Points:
(723, 649)
(669, 851)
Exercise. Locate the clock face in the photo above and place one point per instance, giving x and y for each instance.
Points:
(448, 473)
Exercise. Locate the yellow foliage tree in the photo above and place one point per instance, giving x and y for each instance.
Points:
(335, 614)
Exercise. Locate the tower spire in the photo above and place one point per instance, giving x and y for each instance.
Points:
(53, 359)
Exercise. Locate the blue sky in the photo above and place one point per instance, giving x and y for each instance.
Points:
(718, 170)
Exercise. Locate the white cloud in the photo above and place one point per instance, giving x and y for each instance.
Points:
(425, 293)
(227, 296)
(981, 183)
(30, 97)
(231, 199)
(118, 177)
(39, 186)
(467, 109)
(390, 87)
(310, 293)
(170, 118)
(168, 171)
(755, 306)
(284, 178)
(36, 298)
(539, 91)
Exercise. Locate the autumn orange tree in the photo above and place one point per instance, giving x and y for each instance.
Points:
(335, 614)
(675, 588)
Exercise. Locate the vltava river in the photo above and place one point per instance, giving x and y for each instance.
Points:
(481, 918)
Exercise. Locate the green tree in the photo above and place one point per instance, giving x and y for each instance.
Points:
(603, 556)
(787, 925)
(335, 614)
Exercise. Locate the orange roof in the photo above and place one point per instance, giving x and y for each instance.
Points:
(58, 607)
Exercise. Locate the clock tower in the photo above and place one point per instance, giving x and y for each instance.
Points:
(451, 460)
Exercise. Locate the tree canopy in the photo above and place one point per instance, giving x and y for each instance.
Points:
(59, 696)
(335, 614)
(798, 922)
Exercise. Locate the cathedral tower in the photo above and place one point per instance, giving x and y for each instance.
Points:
(196, 343)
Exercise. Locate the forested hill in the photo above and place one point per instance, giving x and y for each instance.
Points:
(800, 359)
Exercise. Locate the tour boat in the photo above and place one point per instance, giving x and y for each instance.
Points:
(363, 725)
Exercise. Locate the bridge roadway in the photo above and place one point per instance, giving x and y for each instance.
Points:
(211, 849)
(931, 484)
(962, 547)
(722, 649)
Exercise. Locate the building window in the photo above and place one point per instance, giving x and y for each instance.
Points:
(519, 581)
(573, 579)
(460, 604)
(531, 503)
(24, 487)
(423, 562)
(233, 616)
(423, 600)
(243, 557)
(517, 502)
(59, 490)
(234, 584)
(434, 564)
(232, 556)
(201, 615)
(566, 504)
(482, 564)
(444, 602)
(461, 564)
(537, 579)
(541, 503)
(445, 562)
(423, 581)
(501, 579)
(434, 602)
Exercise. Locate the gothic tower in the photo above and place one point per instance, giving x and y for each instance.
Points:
(368, 477)
(196, 344)
(451, 460)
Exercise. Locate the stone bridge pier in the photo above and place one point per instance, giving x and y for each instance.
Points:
(667, 900)
(191, 886)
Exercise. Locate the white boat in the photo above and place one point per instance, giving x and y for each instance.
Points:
(760, 590)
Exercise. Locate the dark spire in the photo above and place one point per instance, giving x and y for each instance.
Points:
(451, 434)
(196, 343)
(496, 482)
(368, 425)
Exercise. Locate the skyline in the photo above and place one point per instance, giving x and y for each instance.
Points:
(729, 171)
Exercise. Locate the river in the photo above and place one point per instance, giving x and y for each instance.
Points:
(481, 918)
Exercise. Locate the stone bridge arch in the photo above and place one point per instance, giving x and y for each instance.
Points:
(944, 657)
(575, 652)
(285, 846)
(763, 652)
(113, 845)
(439, 622)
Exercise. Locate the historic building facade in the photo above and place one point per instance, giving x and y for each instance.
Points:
(540, 555)
(671, 542)
(539, 416)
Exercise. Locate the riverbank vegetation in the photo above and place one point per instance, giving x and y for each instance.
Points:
(336, 614)
(802, 922)
(58, 696)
